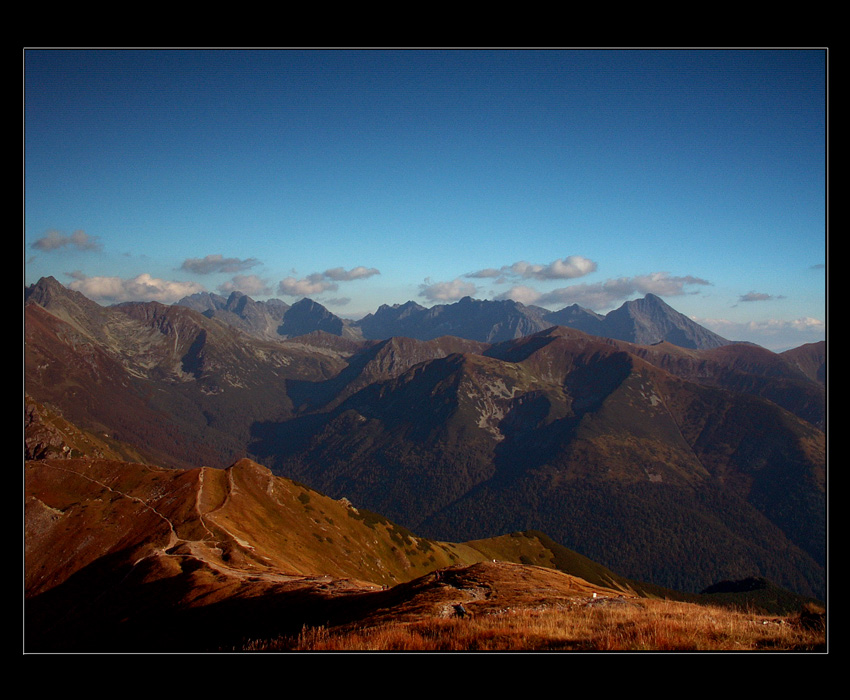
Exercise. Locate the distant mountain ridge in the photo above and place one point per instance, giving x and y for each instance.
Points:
(473, 319)
(642, 321)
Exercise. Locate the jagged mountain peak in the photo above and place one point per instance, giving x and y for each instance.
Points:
(651, 320)
(643, 321)
(258, 318)
(51, 294)
(406, 306)
(649, 304)
(237, 300)
(305, 316)
(44, 286)
(307, 303)
(203, 301)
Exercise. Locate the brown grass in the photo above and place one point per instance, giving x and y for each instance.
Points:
(644, 625)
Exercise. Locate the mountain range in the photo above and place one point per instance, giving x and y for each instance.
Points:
(678, 466)
(644, 321)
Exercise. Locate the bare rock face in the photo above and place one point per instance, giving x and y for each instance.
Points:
(41, 441)
(47, 435)
(306, 316)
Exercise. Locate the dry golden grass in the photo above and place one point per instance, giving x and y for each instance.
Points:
(644, 625)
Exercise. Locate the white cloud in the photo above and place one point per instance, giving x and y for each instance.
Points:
(808, 324)
(355, 273)
(522, 294)
(217, 263)
(310, 285)
(447, 291)
(805, 324)
(568, 268)
(326, 281)
(774, 334)
(252, 285)
(662, 284)
(607, 294)
(143, 287)
(54, 240)
(487, 272)
(758, 296)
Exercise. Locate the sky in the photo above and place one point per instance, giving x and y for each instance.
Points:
(366, 177)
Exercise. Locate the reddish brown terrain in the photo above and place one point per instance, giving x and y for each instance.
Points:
(129, 557)
(122, 556)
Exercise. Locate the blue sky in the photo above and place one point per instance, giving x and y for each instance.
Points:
(365, 177)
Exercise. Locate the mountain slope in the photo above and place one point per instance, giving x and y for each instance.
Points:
(223, 556)
(125, 557)
(183, 388)
(810, 359)
(604, 441)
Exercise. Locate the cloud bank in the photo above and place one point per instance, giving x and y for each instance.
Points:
(570, 267)
(217, 263)
(758, 296)
(309, 286)
(319, 282)
(55, 240)
(113, 290)
(252, 285)
(355, 273)
(605, 295)
(447, 291)
(773, 334)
